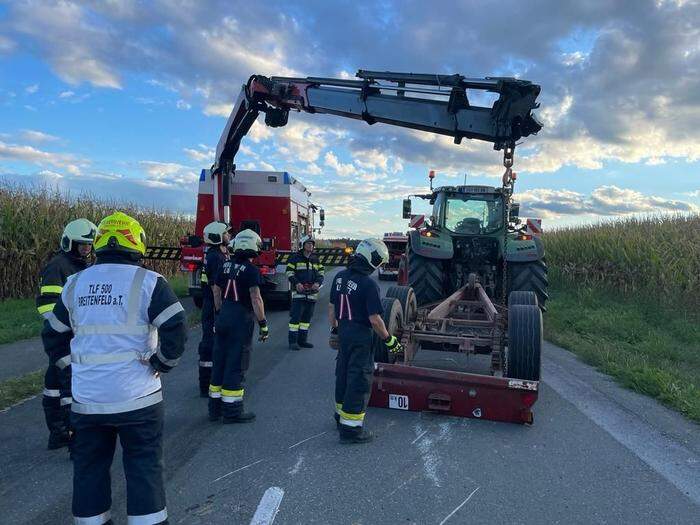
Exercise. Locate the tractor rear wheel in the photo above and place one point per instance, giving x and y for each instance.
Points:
(425, 276)
(407, 298)
(530, 277)
(523, 359)
(393, 320)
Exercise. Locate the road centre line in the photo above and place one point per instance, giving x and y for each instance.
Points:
(237, 470)
(307, 439)
(421, 435)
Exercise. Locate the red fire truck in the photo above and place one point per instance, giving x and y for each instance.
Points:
(272, 203)
(396, 242)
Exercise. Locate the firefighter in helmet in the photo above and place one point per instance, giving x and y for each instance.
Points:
(355, 310)
(76, 246)
(305, 273)
(216, 236)
(109, 319)
(239, 303)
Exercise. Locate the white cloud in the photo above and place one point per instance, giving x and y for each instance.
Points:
(312, 169)
(6, 45)
(31, 89)
(181, 104)
(603, 201)
(202, 154)
(66, 94)
(218, 110)
(41, 158)
(342, 169)
(31, 135)
(168, 174)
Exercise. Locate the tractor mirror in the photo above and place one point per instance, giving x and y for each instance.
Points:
(514, 211)
(407, 208)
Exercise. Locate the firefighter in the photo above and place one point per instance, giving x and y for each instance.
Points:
(355, 310)
(216, 235)
(76, 246)
(305, 273)
(238, 302)
(110, 317)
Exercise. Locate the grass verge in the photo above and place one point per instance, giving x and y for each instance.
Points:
(646, 346)
(20, 320)
(16, 389)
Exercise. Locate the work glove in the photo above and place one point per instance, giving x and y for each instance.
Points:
(393, 344)
(334, 342)
(158, 365)
(263, 331)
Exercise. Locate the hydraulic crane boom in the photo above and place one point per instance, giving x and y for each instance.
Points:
(432, 103)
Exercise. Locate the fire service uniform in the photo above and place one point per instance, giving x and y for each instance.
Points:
(112, 316)
(307, 271)
(216, 237)
(57, 395)
(234, 330)
(354, 299)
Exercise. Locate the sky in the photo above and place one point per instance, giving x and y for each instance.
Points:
(126, 100)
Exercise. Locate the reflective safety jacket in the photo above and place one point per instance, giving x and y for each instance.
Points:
(112, 315)
(306, 271)
(53, 279)
(213, 264)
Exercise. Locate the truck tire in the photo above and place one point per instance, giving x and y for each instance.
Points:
(425, 276)
(393, 319)
(407, 298)
(522, 297)
(530, 277)
(524, 342)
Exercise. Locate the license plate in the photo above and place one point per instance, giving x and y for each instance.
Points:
(399, 402)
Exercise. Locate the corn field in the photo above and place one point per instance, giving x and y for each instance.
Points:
(32, 220)
(659, 256)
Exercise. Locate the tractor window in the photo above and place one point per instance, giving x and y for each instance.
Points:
(473, 216)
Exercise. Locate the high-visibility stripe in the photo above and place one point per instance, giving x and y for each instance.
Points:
(204, 279)
(338, 408)
(100, 519)
(351, 416)
(206, 364)
(304, 326)
(64, 361)
(45, 308)
(215, 391)
(66, 401)
(291, 266)
(293, 327)
(166, 314)
(51, 289)
(165, 360)
(57, 325)
(232, 396)
(49, 392)
(104, 359)
(350, 422)
(148, 519)
(112, 329)
(116, 408)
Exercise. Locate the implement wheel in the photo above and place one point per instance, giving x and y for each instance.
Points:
(393, 319)
(523, 359)
(522, 297)
(407, 298)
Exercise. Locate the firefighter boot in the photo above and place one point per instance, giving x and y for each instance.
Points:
(204, 380)
(214, 408)
(354, 435)
(234, 413)
(293, 345)
(303, 334)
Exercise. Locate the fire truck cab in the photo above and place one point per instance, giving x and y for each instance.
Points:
(396, 242)
(272, 203)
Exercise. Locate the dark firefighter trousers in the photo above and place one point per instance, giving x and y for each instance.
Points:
(234, 336)
(353, 374)
(141, 436)
(57, 401)
(206, 345)
(300, 314)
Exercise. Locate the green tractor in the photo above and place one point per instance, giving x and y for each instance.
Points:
(474, 233)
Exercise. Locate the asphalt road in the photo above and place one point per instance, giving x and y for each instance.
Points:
(596, 454)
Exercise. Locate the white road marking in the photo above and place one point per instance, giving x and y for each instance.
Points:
(18, 403)
(237, 470)
(421, 435)
(459, 507)
(297, 467)
(268, 507)
(307, 439)
(664, 455)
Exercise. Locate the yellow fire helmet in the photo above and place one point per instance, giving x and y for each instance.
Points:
(120, 233)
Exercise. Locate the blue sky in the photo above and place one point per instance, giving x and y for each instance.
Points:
(127, 100)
